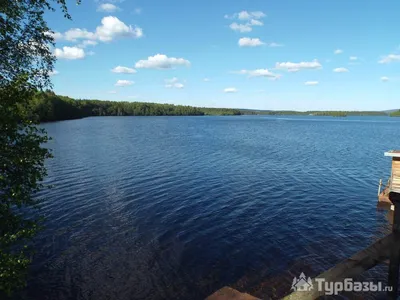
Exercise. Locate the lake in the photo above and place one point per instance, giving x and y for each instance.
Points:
(178, 207)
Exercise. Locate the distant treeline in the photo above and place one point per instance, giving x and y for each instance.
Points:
(395, 114)
(51, 107)
(313, 113)
(48, 106)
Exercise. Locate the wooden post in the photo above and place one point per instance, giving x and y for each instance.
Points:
(380, 186)
(393, 276)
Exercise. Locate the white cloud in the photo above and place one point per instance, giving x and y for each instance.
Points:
(69, 53)
(241, 27)
(108, 7)
(273, 45)
(338, 51)
(125, 70)
(124, 83)
(74, 34)
(112, 28)
(86, 43)
(353, 58)
(54, 72)
(206, 79)
(340, 70)
(112, 92)
(137, 11)
(311, 83)
(179, 85)
(55, 34)
(384, 78)
(245, 15)
(259, 73)
(256, 22)
(161, 61)
(294, 67)
(173, 83)
(250, 42)
(230, 90)
(251, 18)
(390, 58)
(172, 80)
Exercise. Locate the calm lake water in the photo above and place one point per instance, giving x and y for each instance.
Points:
(178, 207)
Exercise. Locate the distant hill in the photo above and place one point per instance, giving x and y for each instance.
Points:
(389, 111)
(312, 112)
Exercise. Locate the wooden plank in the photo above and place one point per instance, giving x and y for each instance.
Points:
(350, 268)
(227, 293)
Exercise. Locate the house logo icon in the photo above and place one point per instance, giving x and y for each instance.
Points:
(302, 284)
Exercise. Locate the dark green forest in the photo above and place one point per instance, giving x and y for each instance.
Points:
(395, 114)
(48, 107)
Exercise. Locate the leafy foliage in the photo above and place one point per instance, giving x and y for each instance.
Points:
(25, 63)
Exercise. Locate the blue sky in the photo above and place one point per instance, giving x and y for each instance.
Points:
(288, 54)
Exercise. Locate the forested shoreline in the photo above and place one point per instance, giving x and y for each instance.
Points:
(395, 113)
(49, 107)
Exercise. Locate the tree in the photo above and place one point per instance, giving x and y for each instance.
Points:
(26, 61)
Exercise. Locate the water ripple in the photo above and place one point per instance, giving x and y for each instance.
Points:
(177, 207)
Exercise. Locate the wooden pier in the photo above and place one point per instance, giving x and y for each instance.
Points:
(393, 183)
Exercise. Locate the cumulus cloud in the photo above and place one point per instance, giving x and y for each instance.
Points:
(245, 15)
(251, 18)
(390, 58)
(112, 92)
(74, 34)
(294, 67)
(311, 83)
(338, 51)
(108, 7)
(69, 53)
(112, 27)
(340, 70)
(256, 23)
(161, 61)
(259, 73)
(206, 79)
(137, 11)
(125, 70)
(86, 43)
(230, 90)
(353, 58)
(173, 83)
(250, 42)
(384, 78)
(241, 27)
(124, 83)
